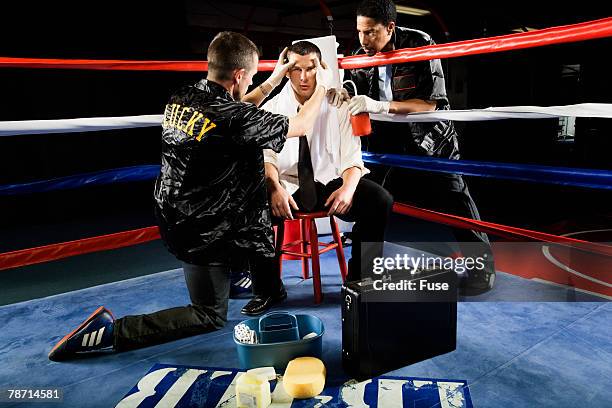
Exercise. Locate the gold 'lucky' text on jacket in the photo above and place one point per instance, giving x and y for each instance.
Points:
(187, 120)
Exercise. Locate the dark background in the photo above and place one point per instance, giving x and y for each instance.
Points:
(181, 30)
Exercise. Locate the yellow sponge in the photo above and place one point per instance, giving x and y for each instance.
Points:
(304, 377)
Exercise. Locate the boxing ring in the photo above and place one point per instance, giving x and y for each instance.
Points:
(501, 346)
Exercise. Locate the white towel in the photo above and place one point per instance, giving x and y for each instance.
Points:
(326, 126)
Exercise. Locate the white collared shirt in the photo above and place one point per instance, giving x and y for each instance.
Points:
(385, 93)
(325, 170)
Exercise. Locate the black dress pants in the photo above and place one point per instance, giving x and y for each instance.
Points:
(370, 211)
(208, 287)
(440, 192)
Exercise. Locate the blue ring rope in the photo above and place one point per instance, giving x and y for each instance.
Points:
(575, 177)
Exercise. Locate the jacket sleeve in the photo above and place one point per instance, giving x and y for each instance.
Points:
(438, 87)
(259, 128)
(430, 84)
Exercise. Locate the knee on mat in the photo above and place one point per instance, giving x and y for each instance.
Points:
(209, 316)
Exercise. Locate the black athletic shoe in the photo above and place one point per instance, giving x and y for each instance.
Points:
(240, 287)
(260, 304)
(94, 335)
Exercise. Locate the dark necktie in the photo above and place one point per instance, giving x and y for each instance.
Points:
(307, 191)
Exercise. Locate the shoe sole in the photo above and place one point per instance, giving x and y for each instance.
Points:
(91, 316)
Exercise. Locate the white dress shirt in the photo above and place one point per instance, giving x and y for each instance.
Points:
(326, 166)
(385, 92)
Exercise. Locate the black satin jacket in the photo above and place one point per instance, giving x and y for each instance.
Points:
(211, 195)
(412, 80)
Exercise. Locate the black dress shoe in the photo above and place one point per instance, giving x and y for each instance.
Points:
(262, 303)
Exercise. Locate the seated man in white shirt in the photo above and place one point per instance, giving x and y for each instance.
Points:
(324, 172)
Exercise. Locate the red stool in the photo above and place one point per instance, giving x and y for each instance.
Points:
(310, 247)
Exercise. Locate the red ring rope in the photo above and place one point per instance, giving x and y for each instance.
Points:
(556, 35)
(538, 38)
(53, 252)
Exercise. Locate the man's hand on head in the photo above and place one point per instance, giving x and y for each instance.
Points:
(325, 77)
(281, 68)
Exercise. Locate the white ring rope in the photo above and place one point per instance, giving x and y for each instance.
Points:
(583, 110)
(33, 127)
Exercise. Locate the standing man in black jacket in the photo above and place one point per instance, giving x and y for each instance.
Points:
(211, 196)
(414, 87)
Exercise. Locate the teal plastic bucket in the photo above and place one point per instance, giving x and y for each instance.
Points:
(280, 330)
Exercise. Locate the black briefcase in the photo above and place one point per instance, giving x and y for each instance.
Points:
(384, 331)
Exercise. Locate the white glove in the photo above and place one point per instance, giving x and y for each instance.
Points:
(280, 69)
(362, 103)
(337, 96)
(325, 78)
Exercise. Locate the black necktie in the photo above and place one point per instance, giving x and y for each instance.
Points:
(307, 191)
